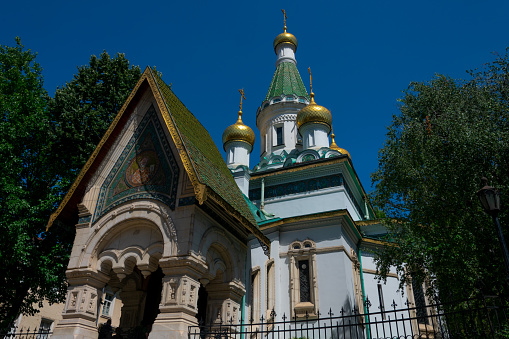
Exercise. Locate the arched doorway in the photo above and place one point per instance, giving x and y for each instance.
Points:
(130, 255)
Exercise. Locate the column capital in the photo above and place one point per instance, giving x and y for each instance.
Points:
(191, 265)
(86, 276)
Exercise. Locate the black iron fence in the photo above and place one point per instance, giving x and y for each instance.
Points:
(25, 333)
(483, 317)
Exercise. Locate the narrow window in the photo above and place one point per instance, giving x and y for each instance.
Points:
(420, 303)
(381, 300)
(279, 136)
(232, 156)
(305, 287)
(108, 300)
(311, 139)
(270, 288)
(255, 296)
(44, 328)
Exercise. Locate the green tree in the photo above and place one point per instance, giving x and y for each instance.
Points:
(448, 135)
(85, 107)
(33, 263)
(44, 143)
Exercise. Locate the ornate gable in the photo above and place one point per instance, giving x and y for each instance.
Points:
(146, 169)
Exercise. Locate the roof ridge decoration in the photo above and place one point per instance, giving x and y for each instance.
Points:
(286, 81)
(201, 158)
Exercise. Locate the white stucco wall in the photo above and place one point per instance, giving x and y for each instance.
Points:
(329, 199)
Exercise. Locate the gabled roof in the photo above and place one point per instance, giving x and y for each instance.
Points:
(286, 81)
(201, 158)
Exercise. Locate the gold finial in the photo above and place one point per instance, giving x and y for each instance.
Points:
(242, 96)
(284, 18)
(311, 94)
(333, 143)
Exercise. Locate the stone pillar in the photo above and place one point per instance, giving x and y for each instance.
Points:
(79, 317)
(179, 296)
(224, 302)
(132, 309)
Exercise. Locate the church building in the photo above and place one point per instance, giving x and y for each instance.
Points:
(182, 237)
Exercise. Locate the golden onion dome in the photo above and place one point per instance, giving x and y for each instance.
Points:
(239, 132)
(314, 113)
(285, 37)
(335, 147)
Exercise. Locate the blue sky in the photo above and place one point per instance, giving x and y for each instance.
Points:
(362, 53)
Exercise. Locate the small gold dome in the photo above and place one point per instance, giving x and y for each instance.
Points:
(239, 132)
(335, 147)
(314, 113)
(285, 37)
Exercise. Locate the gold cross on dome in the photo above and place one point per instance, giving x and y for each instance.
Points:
(310, 80)
(241, 91)
(284, 18)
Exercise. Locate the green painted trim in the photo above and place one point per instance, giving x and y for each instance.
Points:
(242, 309)
(368, 332)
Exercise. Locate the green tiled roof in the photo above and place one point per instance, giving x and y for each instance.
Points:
(208, 162)
(286, 81)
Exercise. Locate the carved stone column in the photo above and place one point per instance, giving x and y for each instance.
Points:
(82, 304)
(179, 296)
(224, 302)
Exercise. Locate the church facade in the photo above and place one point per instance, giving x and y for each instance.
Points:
(186, 238)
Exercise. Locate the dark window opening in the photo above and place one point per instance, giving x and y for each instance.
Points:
(381, 300)
(305, 287)
(420, 303)
(279, 136)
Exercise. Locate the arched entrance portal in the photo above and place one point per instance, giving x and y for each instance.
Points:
(129, 256)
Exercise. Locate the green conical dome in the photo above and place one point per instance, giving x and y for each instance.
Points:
(286, 81)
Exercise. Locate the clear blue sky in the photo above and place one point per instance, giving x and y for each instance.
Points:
(362, 53)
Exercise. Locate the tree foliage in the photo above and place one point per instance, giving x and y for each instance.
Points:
(448, 135)
(44, 142)
(85, 107)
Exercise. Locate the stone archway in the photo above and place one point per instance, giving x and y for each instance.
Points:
(130, 257)
(222, 290)
(122, 250)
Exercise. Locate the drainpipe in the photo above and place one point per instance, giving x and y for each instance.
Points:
(262, 201)
(366, 317)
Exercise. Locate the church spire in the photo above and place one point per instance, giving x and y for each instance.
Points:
(286, 96)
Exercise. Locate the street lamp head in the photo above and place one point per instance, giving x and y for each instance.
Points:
(489, 197)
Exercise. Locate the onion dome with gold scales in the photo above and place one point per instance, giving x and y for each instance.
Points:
(314, 122)
(285, 37)
(238, 140)
(239, 131)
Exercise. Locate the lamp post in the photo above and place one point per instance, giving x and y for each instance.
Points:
(490, 200)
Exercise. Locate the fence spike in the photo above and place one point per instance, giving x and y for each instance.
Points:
(394, 304)
(330, 312)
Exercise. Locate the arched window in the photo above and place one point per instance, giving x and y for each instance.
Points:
(303, 283)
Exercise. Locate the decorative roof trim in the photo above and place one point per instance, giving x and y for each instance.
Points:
(202, 191)
(236, 214)
(199, 188)
(94, 155)
(299, 167)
